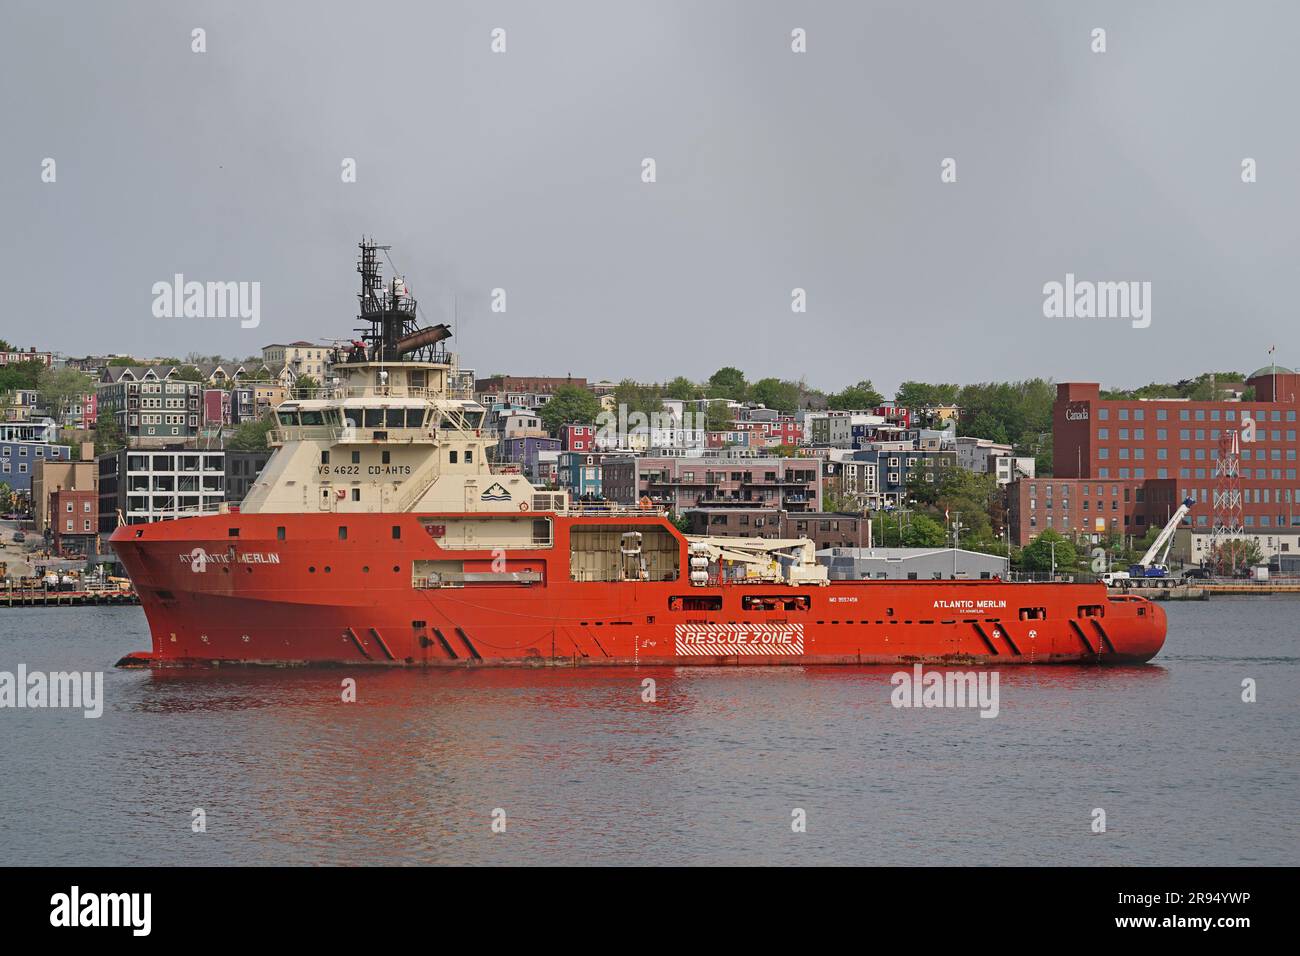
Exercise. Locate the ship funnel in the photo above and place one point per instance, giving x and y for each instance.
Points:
(423, 338)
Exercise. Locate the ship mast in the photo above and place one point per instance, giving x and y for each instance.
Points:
(391, 331)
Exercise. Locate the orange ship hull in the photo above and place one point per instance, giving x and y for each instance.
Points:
(298, 588)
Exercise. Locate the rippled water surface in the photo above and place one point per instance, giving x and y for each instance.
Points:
(586, 772)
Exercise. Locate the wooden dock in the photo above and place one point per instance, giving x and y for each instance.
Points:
(39, 597)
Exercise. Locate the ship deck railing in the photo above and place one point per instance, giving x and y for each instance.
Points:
(588, 509)
(337, 434)
(380, 391)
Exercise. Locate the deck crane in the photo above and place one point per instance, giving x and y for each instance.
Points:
(773, 560)
(1148, 567)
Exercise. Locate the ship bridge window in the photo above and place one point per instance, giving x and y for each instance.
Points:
(313, 417)
(372, 418)
(395, 417)
(474, 419)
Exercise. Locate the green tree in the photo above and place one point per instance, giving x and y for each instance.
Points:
(638, 398)
(1016, 411)
(920, 394)
(1037, 555)
(922, 531)
(108, 433)
(728, 382)
(774, 393)
(681, 521)
(570, 405)
(61, 387)
(191, 373)
(1233, 554)
(833, 500)
(986, 426)
(1040, 447)
(682, 388)
(305, 386)
(859, 396)
(252, 435)
(717, 417)
(25, 375)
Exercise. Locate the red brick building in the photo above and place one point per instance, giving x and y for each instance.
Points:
(15, 356)
(1179, 441)
(1077, 507)
(74, 519)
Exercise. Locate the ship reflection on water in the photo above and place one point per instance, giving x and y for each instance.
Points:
(583, 768)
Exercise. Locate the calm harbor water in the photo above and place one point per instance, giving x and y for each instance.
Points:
(710, 773)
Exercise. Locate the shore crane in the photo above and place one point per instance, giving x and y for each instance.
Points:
(1148, 566)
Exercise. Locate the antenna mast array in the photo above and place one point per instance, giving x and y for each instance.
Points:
(1228, 523)
(393, 332)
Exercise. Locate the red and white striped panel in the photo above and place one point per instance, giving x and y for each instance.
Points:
(709, 640)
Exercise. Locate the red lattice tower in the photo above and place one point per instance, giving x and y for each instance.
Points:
(1228, 523)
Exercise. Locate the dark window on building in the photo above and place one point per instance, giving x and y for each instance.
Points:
(397, 532)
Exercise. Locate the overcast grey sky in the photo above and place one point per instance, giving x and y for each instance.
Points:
(775, 170)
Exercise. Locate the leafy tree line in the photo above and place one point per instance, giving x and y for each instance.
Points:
(1013, 413)
(1206, 387)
